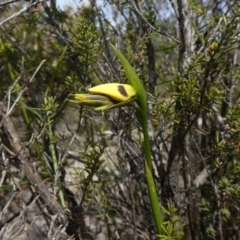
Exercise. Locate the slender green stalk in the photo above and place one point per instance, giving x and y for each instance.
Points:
(142, 110)
(157, 214)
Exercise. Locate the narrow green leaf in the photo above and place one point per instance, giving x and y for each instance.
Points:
(134, 80)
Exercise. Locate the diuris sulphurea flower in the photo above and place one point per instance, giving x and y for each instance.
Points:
(107, 96)
(116, 91)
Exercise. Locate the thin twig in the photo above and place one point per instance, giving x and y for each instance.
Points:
(25, 9)
(8, 2)
(23, 89)
(152, 27)
(4, 171)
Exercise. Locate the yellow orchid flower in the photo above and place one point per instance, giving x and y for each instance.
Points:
(117, 91)
(106, 96)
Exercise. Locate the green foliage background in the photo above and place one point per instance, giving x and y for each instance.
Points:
(93, 162)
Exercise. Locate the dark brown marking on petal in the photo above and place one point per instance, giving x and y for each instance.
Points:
(122, 90)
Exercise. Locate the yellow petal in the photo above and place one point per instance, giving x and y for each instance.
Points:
(117, 91)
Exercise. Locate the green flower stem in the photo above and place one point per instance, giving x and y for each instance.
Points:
(149, 176)
(142, 110)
